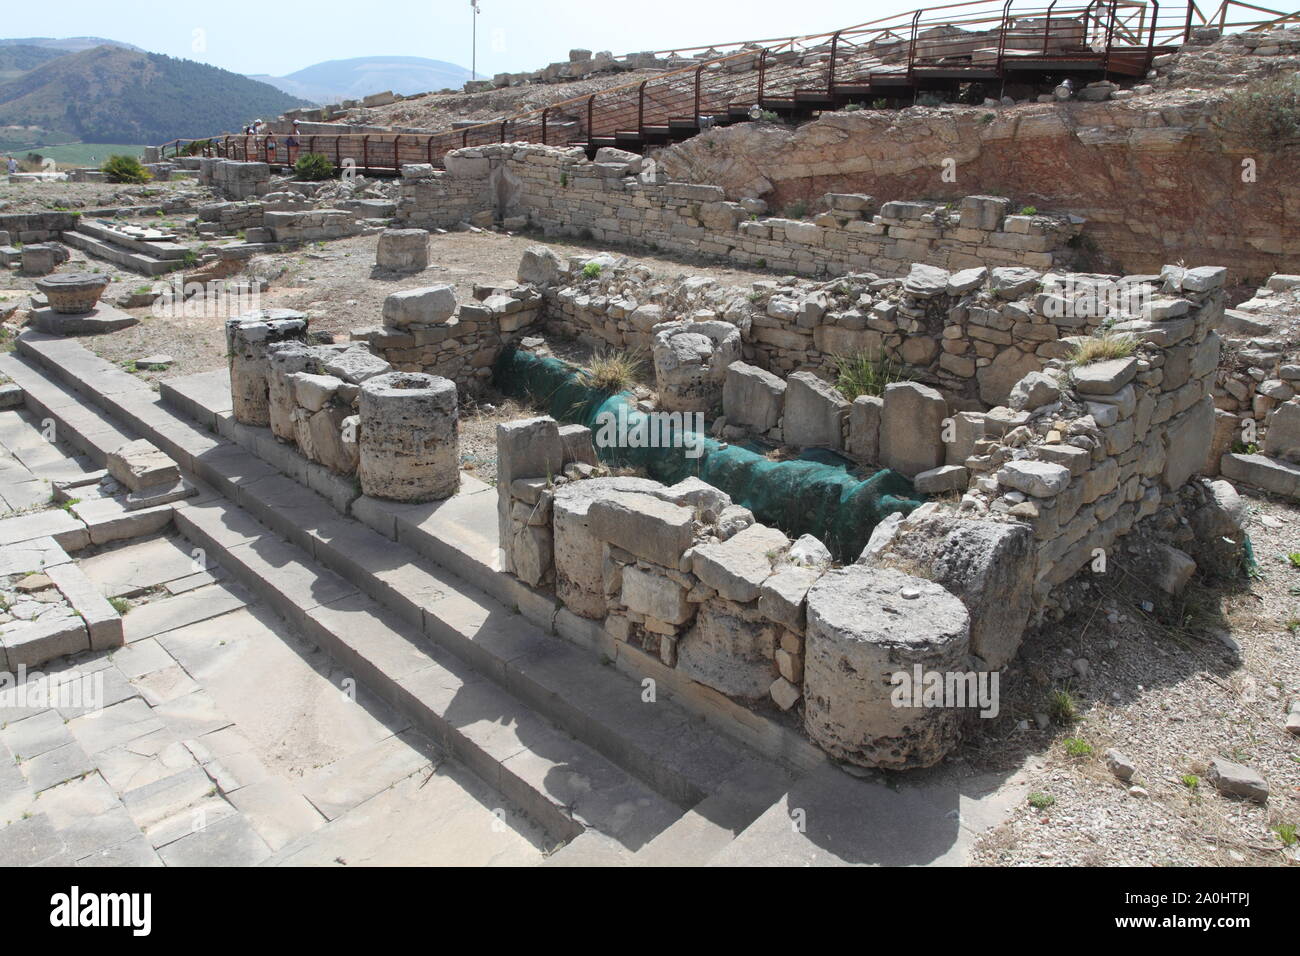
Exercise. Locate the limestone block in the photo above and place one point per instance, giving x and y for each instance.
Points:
(248, 337)
(528, 448)
(643, 525)
(781, 597)
(1042, 479)
(579, 553)
(864, 428)
(355, 365)
(409, 437)
(942, 480)
(1104, 378)
(284, 361)
(737, 567)
(539, 266)
(691, 360)
(815, 412)
(655, 595)
(427, 306)
(865, 626)
(140, 464)
(730, 648)
(911, 428)
(1282, 440)
(1009, 366)
(752, 397)
(984, 212)
(1187, 443)
(403, 250)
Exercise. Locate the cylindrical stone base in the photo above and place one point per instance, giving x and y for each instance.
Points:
(866, 625)
(247, 338)
(410, 449)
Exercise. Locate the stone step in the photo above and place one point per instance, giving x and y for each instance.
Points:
(460, 535)
(168, 249)
(83, 426)
(135, 261)
(562, 782)
(682, 756)
(559, 781)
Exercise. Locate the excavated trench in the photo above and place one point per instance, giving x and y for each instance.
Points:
(815, 494)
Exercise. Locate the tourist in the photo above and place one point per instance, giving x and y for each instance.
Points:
(270, 148)
(11, 164)
(291, 144)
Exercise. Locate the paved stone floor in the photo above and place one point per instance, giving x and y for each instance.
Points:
(217, 735)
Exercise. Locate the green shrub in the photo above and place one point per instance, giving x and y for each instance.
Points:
(591, 270)
(1041, 801)
(865, 373)
(1062, 708)
(1078, 747)
(1029, 210)
(124, 169)
(313, 167)
(1264, 115)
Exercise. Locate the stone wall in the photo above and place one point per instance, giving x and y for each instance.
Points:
(1156, 183)
(311, 225)
(426, 330)
(1081, 448)
(232, 217)
(37, 226)
(972, 333)
(621, 199)
(314, 392)
(234, 179)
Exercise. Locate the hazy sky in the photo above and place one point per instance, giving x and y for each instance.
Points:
(263, 36)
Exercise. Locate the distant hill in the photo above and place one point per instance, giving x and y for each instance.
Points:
(336, 80)
(110, 94)
(16, 60)
(67, 44)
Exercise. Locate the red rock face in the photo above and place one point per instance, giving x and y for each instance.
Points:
(1157, 183)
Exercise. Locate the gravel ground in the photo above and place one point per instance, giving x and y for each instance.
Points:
(1169, 695)
(39, 196)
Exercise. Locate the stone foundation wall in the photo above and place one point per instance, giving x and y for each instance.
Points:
(235, 179)
(676, 571)
(314, 391)
(623, 200)
(972, 334)
(426, 330)
(439, 199)
(311, 225)
(231, 217)
(38, 226)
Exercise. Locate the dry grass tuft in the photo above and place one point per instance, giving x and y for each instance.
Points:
(1103, 347)
(614, 371)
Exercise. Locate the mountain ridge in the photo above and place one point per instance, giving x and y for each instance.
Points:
(111, 94)
(331, 81)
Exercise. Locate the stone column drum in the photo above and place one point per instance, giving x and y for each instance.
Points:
(247, 338)
(410, 449)
(864, 626)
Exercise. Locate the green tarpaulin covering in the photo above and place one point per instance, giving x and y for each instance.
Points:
(814, 494)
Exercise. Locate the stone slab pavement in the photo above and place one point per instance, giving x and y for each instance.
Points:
(30, 461)
(218, 736)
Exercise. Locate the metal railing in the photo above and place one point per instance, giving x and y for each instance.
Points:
(892, 56)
